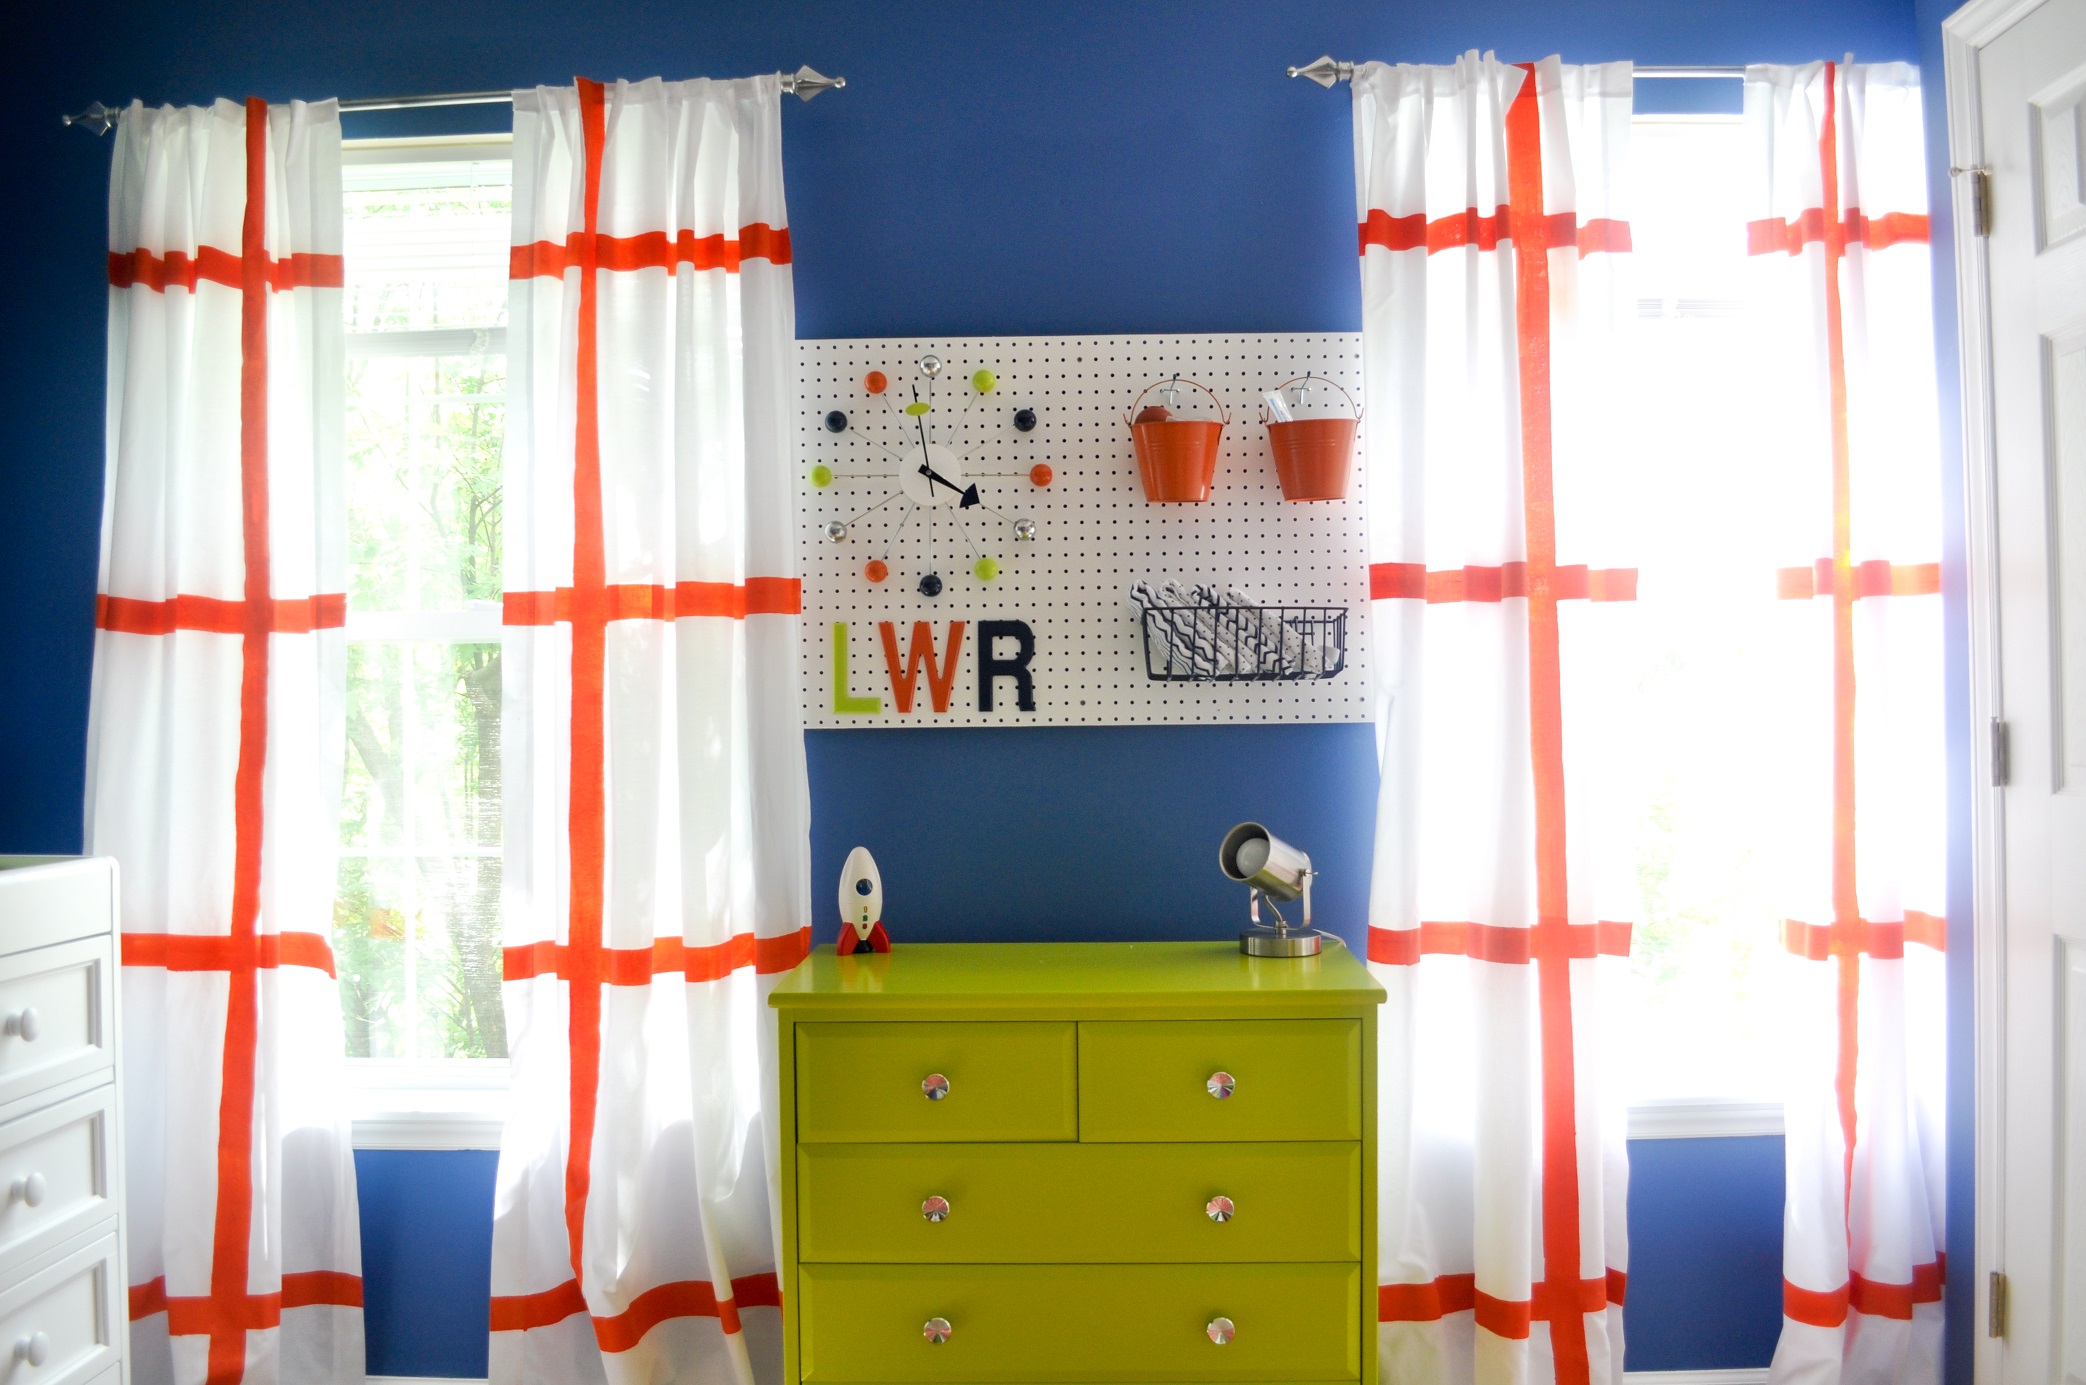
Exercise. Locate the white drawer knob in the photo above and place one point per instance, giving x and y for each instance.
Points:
(1221, 1085)
(34, 1348)
(1221, 1331)
(30, 1189)
(24, 1024)
(937, 1331)
(1219, 1209)
(934, 1086)
(935, 1209)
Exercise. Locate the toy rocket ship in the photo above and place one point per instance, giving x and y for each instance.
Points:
(861, 906)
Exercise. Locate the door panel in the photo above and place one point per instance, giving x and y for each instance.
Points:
(2032, 108)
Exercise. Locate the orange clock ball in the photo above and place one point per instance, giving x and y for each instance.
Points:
(1041, 474)
(875, 570)
(875, 382)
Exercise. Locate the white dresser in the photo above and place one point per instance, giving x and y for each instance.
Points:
(64, 1301)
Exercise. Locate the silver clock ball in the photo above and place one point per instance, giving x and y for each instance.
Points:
(1024, 529)
(837, 529)
(930, 366)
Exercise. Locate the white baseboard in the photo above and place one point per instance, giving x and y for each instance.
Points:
(1725, 1377)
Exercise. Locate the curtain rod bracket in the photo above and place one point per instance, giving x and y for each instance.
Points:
(1326, 71)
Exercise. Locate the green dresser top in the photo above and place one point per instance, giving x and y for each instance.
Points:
(1033, 978)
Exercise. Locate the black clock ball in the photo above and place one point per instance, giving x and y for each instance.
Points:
(931, 584)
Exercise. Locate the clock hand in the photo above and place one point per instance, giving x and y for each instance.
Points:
(969, 493)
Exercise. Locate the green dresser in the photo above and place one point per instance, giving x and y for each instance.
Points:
(1078, 1164)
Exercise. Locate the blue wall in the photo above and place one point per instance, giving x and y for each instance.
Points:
(993, 169)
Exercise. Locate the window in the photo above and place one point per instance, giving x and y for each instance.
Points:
(1701, 1026)
(416, 926)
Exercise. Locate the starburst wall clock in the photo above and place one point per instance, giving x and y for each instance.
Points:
(933, 518)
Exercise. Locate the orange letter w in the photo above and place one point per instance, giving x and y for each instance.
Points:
(939, 681)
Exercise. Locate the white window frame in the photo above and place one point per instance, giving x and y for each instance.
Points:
(457, 1103)
(1682, 1118)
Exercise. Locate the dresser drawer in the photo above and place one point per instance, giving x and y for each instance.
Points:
(862, 1324)
(53, 899)
(863, 1082)
(69, 1301)
(55, 1004)
(1076, 1203)
(1156, 1080)
(55, 1173)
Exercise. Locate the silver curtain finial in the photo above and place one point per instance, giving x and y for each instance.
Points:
(1325, 71)
(96, 117)
(807, 81)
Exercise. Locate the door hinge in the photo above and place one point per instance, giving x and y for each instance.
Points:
(1995, 1306)
(2002, 754)
(1980, 197)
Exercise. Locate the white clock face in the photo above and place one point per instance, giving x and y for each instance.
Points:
(931, 474)
(921, 516)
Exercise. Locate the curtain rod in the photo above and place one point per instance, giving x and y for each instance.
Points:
(1326, 71)
(806, 82)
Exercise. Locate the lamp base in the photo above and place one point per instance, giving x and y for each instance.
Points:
(1272, 942)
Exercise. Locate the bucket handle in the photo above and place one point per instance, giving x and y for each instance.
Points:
(1308, 376)
(1223, 413)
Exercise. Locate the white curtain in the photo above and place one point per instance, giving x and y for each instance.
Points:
(657, 827)
(215, 735)
(1495, 289)
(1840, 284)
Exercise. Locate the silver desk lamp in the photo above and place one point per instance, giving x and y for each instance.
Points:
(1278, 872)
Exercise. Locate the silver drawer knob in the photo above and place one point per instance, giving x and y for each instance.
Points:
(30, 1190)
(934, 1086)
(935, 1209)
(24, 1024)
(1221, 1331)
(937, 1331)
(1221, 1085)
(1219, 1209)
(34, 1348)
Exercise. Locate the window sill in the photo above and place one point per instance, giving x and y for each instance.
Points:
(463, 1106)
(460, 1105)
(1698, 1118)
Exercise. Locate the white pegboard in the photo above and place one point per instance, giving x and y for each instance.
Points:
(1096, 533)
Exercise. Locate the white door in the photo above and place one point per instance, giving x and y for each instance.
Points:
(2032, 106)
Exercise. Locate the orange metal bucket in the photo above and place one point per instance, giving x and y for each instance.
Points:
(1312, 457)
(1177, 457)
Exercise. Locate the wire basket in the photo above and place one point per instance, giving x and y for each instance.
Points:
(1233, 643)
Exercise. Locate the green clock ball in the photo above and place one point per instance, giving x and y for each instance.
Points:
(822, 476)
(986, 569)
(985, 382)
(918, 407)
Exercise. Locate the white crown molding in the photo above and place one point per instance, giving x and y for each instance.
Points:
(1684, 1118)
